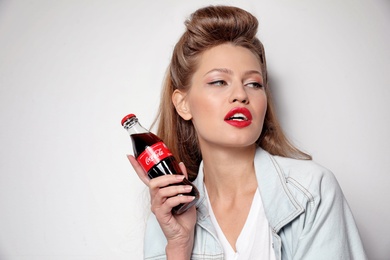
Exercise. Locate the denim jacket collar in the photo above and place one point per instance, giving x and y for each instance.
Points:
(279, 204)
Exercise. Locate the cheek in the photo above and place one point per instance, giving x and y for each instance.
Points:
(203, 106)
(265, 105)
(204, 114)
(261, 111)
(261, 105)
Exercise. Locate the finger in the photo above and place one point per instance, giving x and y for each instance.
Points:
(171, 191)
(165, 180)
(183, 169)
(138, 169)
(177, 200)
(165, 208)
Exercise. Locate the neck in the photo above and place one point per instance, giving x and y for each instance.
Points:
(229, 173)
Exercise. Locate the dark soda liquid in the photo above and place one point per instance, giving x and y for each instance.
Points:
(166, 166)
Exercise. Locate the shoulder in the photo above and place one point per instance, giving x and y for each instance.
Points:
(299, 181)
(297, 176)
(304, 202)
(306, 172)
(309, 179)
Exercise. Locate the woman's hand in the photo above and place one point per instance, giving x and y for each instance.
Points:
(178, 229)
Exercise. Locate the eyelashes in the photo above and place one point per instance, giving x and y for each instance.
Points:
(218, 83)
(254, 84)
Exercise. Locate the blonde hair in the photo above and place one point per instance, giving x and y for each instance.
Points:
(207, 28)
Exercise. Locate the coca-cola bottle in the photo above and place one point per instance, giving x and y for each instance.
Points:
(155, 158)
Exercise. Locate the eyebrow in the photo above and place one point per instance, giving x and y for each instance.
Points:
(230, 72)
(223, 70)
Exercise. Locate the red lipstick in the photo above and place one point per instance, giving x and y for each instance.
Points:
(239, 117)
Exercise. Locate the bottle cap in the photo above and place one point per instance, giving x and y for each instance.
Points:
(127, 117)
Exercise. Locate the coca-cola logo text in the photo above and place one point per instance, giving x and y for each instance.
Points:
(153, 155)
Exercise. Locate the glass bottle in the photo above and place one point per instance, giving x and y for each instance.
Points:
(155, 158)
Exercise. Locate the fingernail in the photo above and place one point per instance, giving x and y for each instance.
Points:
(188, 188)
(180, 177)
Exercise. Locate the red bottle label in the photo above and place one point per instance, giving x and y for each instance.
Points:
(153, 155)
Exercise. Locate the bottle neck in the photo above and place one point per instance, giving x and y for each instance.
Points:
(132, 126)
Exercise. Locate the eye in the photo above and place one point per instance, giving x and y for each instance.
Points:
(255, 85)
(218, 83)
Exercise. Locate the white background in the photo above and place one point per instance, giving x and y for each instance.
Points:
(70, 70)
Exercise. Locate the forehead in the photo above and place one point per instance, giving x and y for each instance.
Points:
(229, 51)
(228, 56)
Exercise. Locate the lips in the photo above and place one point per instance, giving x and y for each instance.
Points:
(239, 117)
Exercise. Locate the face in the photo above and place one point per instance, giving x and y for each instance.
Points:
(226, 101)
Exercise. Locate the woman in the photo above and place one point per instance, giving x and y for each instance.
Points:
(260, 197)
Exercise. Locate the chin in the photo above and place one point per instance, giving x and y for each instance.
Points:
(241, 145)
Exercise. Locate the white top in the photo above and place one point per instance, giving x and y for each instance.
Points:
(255, 239)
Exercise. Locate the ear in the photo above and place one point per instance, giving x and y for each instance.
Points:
(181, 105)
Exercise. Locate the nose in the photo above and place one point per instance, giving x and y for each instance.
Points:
(239, 94)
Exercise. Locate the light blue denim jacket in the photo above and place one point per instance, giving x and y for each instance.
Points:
(305, 208)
